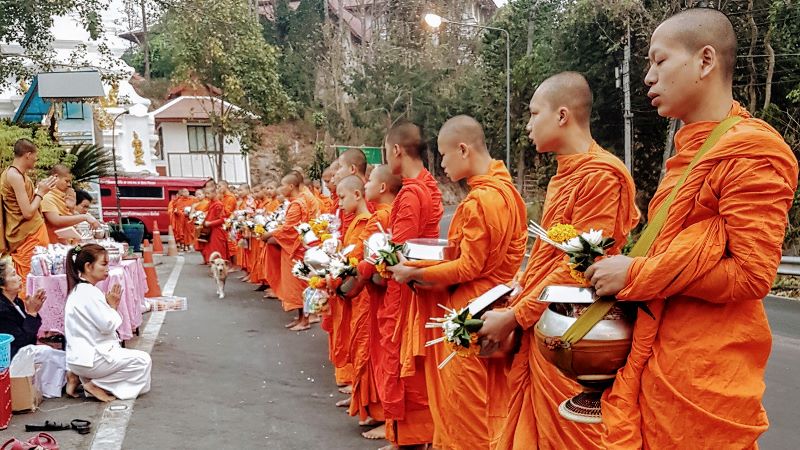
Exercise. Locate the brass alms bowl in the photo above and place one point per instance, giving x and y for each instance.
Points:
(594, 360)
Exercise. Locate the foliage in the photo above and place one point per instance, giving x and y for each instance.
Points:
(49, 153)
(285, 160)
(298, 35)
(89, 162)
(233, 57)
(319, 163)
(161, 62)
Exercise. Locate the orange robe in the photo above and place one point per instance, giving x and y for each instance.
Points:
(364, 401)
(184, 233)
(489, 229)
(589, 191)
(171, 214)
(365, 390)
(228, 207)
(199, 205)
(695, 375)
(291, 288)
(416, 212)
(217, 240)
(20, 235)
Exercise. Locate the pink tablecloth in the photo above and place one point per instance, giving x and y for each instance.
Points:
(130, 276)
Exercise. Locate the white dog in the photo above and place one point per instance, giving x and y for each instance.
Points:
(219, 270)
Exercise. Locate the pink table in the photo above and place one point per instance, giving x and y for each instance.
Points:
(130, 276)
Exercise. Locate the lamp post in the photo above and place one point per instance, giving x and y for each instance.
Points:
(114, 156)
(435, 21)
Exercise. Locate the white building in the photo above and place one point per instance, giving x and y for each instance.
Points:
(187, 144)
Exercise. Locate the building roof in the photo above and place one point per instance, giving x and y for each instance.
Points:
(70, 86)
(190, 107)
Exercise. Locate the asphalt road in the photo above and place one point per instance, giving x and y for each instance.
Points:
(227, 375)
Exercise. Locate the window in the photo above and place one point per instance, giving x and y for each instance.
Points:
(141, 192)
(73, 110)
(201, 139)
(105, 192)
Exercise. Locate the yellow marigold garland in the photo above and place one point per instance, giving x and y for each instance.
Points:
(562, 232)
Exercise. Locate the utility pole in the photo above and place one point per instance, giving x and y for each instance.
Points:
(145, 40)
(626, 88)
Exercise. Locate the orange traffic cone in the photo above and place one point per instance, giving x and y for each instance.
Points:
(172, 247)
(158, 247)
(153, 290)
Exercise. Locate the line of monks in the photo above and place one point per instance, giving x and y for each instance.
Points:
(695, 375)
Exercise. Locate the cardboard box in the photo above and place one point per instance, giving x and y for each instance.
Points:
(24, 395)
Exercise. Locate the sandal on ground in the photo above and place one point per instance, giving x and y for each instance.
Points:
(81, 426)
(48, 426)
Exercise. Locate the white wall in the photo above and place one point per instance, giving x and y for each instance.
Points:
(181, 163)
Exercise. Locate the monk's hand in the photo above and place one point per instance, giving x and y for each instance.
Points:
(46, 185)
(497, 325)
(609, 275)
(114, 295)
(402, 272)
(34, 302)
(70, 200)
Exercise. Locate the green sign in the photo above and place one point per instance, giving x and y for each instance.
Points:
(374, 154)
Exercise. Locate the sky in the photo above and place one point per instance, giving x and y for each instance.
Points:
(500, 2)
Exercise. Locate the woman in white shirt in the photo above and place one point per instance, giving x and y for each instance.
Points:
(107, 370)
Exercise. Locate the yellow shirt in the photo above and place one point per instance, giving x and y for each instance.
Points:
(54, 201)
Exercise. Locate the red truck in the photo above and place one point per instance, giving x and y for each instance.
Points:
(144, 199)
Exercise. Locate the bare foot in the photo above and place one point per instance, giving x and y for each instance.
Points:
(348, 389)
(375, 433)
(389, 447)
(98, 392)
(343, 403)
(367, 423)
(313, 318)
(72, 384)
(269, 293)
(300, 327)
(292, 324)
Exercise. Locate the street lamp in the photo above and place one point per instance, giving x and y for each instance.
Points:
(435, 21)
(114, 156)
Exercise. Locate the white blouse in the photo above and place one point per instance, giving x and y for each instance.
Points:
(90, 325)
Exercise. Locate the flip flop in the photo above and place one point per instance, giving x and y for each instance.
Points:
(48, 426)
(81, 426)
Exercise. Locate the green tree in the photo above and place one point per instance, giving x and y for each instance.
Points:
(27, 23)
(49, 153)
(217, 44)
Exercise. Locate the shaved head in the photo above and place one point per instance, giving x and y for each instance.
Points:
(408, 136)
(570, 90)
(299, 175)
(354, 158)
(351, 183)
(383, 174)
(464, 129)
(696, 28)
(292, 179)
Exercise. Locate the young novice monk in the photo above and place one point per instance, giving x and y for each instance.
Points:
(351, 315)
(695, 375)
(591, 190)
(300, 210)
(489, 229)
(381, 190)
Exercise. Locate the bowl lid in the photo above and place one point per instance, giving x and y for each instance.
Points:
(567, 294)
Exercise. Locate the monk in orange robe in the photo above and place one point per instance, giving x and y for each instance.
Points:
(271, 271)
(695, 374)
(217, 240)
(326, 201)
(201, 203)
(592, 189)
(300, 210)
(381, 190)
(348, 316)
(489, 230)
(228, 207)
(351, 162)
(416, 212)
(20, 219)
(185, 232)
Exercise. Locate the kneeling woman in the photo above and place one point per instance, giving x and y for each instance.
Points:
(107, 370)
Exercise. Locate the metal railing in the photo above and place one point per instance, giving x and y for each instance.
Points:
(790, 265)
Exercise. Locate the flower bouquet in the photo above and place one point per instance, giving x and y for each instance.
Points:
(460, 328)
(307, 235)
(583, 249)
(381, 252)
